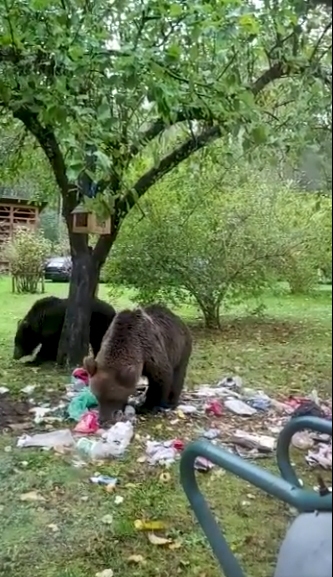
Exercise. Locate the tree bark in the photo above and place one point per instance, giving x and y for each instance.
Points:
(86, 267)
(74, 342)
(211, 313)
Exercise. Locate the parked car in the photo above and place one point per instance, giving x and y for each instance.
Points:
(58, 269)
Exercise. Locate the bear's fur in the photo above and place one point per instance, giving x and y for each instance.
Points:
(151, 342)
(43, 324)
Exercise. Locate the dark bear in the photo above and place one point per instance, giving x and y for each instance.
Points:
(43, 325)
(151, 342)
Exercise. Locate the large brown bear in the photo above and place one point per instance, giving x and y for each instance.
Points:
(43, 324)
(151, 342)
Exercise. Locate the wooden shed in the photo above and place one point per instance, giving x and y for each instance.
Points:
(16, 212)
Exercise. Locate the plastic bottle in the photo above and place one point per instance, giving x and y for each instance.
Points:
(119, 437)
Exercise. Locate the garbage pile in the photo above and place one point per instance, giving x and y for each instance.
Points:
(242, 420)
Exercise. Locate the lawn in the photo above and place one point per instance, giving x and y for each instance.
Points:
(64, 535)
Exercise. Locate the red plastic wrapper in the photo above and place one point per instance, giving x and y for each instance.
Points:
(88, 425)
(215, 408)
(81, 374)
(178, 444)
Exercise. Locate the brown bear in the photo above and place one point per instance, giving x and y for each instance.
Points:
(152, 342)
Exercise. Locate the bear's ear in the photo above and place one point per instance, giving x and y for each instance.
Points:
(22, 323)
(89, 363)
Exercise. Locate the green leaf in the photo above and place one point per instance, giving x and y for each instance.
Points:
(103, 112)
(175, 10)
(259, 134)
(174, 50)
(103, 159)
(76, 52)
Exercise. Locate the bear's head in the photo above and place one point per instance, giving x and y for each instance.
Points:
(111, 386)
(26, 340)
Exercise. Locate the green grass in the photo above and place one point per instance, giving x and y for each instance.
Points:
(64, 536)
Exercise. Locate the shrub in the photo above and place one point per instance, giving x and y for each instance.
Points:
(27, 253)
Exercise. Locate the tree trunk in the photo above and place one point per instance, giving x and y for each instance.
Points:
(74, 342)
(211, 313)
(86, 267)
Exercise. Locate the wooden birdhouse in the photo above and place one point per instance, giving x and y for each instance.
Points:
(87, 222)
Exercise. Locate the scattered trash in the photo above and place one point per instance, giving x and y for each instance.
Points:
(161, 453)
(231, 382)
(94, 450)
(31, 496)
(157, 540)
(80, 374)
(263, 443)
(88, 424)
(3, 390)
(130, 413)
(28, 389)
(47, 414)
(81, 403)
(322, 457)
(118, 438)
(178, 444)
(118, 500)
(104, 480)
(240, 408)
(303, 441)
(149, 525)
(260, 402)
(105, 573)
(60, 438)
(308, 408)
(187, 409)
(209, 392)
(203, 465)
(211, 434)
(214, 408)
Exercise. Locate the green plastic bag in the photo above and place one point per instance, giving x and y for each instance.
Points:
(81, 403)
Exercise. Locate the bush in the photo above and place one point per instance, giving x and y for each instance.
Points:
(27, 253)
(219, 247)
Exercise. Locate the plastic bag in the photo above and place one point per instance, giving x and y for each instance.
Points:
(81, 403)
(60, 438)
(88, 425)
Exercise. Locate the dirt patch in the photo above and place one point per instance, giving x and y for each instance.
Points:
(13, 412)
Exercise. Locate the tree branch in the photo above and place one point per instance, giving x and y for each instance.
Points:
(47, 140)
(159, 125)
(169, 162)
(197, 113)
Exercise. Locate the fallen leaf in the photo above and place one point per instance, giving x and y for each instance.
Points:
(105, 573)
(158, 541)
(32, 496)
(174, 546)
(149, 525)
(137, 559)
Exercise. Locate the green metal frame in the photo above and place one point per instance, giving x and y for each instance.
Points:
(286, 488)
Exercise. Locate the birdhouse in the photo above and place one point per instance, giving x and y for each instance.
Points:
(87, 222)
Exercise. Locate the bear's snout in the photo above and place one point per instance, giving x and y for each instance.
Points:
(18, 354)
